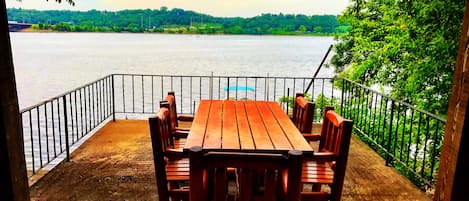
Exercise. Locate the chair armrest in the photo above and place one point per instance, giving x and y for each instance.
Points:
(312, 136)
(182, 129)
(324, 156)
(186, 118)
(175, 154)
(180, 133)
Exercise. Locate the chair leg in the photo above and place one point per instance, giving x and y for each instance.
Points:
(245, 184)
(316, 188)
(221, 184)
(270, 185)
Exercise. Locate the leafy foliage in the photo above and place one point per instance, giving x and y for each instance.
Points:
(320, 102)
(180, 21)
(71, 2)
(407, 46)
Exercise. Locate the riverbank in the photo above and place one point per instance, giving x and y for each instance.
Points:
(33, 30)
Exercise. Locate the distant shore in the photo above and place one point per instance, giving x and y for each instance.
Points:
(32, 30)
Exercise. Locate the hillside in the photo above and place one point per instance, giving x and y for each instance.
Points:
(176, 21)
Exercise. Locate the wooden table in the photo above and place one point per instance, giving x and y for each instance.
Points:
(246, 126)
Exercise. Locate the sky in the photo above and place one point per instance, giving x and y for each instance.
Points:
(219, 8)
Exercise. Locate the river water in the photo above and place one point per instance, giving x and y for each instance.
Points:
(48, 64)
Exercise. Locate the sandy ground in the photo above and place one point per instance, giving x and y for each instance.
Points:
(100, 168)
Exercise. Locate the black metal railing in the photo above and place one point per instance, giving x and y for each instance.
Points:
(53, 126)
(408, 138)
(140, 94)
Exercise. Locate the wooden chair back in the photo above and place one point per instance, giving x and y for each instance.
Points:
(159, 130)
(171, 100)
(335, 133)
(208, 174)
(303, 113)
(334, 146)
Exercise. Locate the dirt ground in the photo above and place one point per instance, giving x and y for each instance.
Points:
(117, 164)
(100, 168)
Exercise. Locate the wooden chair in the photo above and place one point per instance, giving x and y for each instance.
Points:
(172, 176)
(177, 137)
(175, 118)
(327, 166)
(303, 112)
(208, 179)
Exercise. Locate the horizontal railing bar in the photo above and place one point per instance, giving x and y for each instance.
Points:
(223, 76)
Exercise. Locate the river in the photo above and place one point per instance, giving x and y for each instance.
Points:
(48, 64)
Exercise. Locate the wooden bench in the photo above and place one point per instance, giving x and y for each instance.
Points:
(208, 179)
(303, 113)
(172, 176)
(328, 164)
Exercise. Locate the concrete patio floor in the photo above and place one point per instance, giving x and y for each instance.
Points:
(116, 163)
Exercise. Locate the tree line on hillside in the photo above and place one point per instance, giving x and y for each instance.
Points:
(176, 21)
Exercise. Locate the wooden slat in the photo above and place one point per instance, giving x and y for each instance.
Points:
(316, 180)
(213, 134)
(230, 137)
(177, 170)
(277, 136)
(177, 173)
(197, 132)
(293, 134)
(244, 125)
(177, 178)
(259, 132)
(245, 136)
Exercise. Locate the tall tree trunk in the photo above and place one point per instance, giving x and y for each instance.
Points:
(13, 176)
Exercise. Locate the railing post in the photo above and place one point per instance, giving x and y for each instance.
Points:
(388, 155)
(113, 100)
(67, 146)
(211, 86)
(342, 99)
(288, 99)
(266, 88)
(228, 89)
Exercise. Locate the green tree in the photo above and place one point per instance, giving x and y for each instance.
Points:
(407, 46)
(317, 29)
(302, 28)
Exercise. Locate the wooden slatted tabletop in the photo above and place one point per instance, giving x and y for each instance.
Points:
(246, 126)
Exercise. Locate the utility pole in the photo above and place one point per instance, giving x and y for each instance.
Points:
(141, 21)
(149, 22)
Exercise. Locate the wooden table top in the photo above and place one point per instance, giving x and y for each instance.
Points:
(247, 126)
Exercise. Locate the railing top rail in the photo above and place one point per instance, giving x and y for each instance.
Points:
(397, 101)
(61, 95)
(221, 76)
